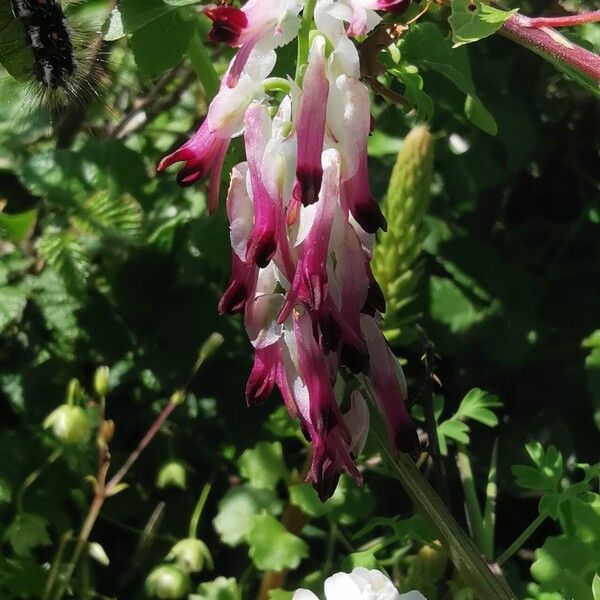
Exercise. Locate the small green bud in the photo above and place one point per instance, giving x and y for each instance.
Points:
(70, 424)
(168, 582)
(101, 378)
(190, 555)
(177, 397)
(210, 347)
(171, 474)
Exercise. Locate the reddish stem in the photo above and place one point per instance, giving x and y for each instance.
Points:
(567, 20)
(551, 44)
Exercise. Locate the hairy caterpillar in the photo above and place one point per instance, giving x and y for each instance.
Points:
(49, 35)
(57, 53)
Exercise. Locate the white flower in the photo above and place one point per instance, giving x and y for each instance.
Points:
(361, 584)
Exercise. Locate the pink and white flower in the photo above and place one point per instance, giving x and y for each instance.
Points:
(302, 219)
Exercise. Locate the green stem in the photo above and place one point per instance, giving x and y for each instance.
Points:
(489, 512)
(204, 67)
(520, 540)
(32, 477)
(304, 39)
(463, 552)
(470, 493)
(198, 511)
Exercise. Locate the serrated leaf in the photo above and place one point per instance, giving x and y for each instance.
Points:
(471, 23)
(455, 430)
(476, 405)
(263, 465)
(237, 509)
(546, 474)
(26, 532)
(105, 214)
(272, 546)
(65, 255)
(12, 305)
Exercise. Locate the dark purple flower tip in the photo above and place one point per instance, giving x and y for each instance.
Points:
(263, 376)
(369, 215)
(375, 301)
(228, 24)
(407, 440)
(188, 176)
(325, 486)
(261, 248)
(234, 298)
(329, 333)
(310, 183)
(355, 359)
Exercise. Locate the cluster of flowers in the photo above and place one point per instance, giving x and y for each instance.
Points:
(302, 220)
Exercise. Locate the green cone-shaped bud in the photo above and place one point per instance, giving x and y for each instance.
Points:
(101, 381)
(70, 424)
(171, 474)
(168, 582)
(395, 260)
(190, 555)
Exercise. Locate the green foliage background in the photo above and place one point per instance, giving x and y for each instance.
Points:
(103, 263)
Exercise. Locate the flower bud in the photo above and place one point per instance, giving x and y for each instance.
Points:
(211, 345)
(101, 377)
(168, 582)
(190, 555)
(171, 474)
(97, 552)
(70, 424)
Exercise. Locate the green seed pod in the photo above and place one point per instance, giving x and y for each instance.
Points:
(168, 582)
(70, 424)
(190, 555)
(396, 257)
(171, 474)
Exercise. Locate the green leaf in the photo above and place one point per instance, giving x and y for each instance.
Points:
(479, 115)
(450, 306)
(131, 15)
(476, 405)
(272, 546)
(306, 498)
(221, 588)
(455, 430)
(567, 565)
(349, 503)
(65, 255)
(102, 213)
(162, 43)
(15, 56)
(18, 227)
(26, 532)
(426, 47)
(263, 465)
(12, 305)
(546, 474)
(280, 424)
(470, 25)
(596, 587)
(237, 510)
(413, 90)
